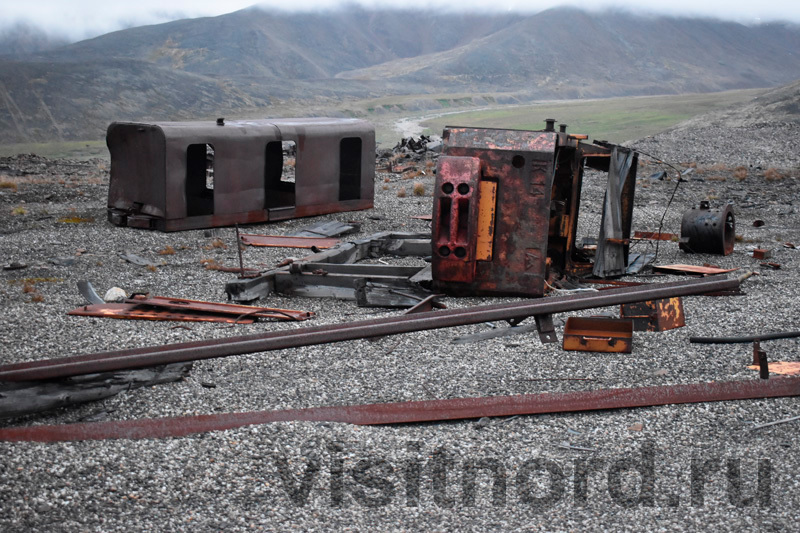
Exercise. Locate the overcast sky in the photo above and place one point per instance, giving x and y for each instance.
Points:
(86, 18)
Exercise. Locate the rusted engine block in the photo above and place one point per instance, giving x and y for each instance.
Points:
(185, 175)
(506, 207)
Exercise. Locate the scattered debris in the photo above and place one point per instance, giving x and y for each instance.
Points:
(24, 398)
(15, 265)
(88, 292)
(514, 312)
(638, 426)
(332, 228)
(160, 308)
(63, 261)
(761, 254)
(745, 339)
(773, 266)
(332, 273)
(758, 223)
(787, 368)
(137, 260)
(288, 242)
(494, 333)
(692, 269)
(654, 236)
(769, 424)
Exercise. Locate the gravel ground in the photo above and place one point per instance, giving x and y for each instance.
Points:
(635, 469)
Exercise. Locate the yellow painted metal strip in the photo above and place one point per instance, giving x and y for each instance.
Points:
(487, 207)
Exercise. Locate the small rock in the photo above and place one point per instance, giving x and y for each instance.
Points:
(115, 295)
(638, 426)
(483, 422)
(63, 261)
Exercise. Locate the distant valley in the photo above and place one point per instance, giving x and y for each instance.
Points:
(255, 63)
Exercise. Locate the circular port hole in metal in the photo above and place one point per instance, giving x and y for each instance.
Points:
(460, 252)
(447, 188)
(444, 251)
(463, 188)
(518, 161)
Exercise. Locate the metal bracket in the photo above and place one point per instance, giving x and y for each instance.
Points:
(760, 359)
(547, 331)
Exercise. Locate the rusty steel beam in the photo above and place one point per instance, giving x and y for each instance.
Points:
(416, 411)
(278, 340)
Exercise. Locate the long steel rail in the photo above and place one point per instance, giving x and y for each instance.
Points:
(417, 411)
(307, 336)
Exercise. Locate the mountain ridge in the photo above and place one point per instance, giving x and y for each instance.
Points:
(252, 59)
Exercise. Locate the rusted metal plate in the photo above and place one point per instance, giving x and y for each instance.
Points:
(655, 315)
(179, 309)
(416, 411)
(708, 231)
(785, 368)
(654, 236)
(598, 335)
(132, 311)
(279, 241)
(185, 175)
(692, 269)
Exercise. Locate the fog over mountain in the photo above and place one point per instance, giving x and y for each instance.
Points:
(249, 59)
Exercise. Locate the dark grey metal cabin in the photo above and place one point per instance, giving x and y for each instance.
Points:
(174, 176)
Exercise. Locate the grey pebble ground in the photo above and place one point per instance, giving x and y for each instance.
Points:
(417, 477)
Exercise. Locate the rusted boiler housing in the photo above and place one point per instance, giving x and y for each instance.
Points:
(506, 204)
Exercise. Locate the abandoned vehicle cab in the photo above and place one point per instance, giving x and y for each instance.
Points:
(174, 176)
(505, 212)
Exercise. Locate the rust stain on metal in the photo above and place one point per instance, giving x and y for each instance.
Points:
(487, 205)
(280, 241)
(598, 335)
(655, 315)
(416, 411)
(654, 236)
(173, 176)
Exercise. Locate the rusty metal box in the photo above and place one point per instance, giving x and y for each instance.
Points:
(655, 315)
(592, 334)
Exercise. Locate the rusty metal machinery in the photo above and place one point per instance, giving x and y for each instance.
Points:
(506, 206)
(708, 231)
(185, 175)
